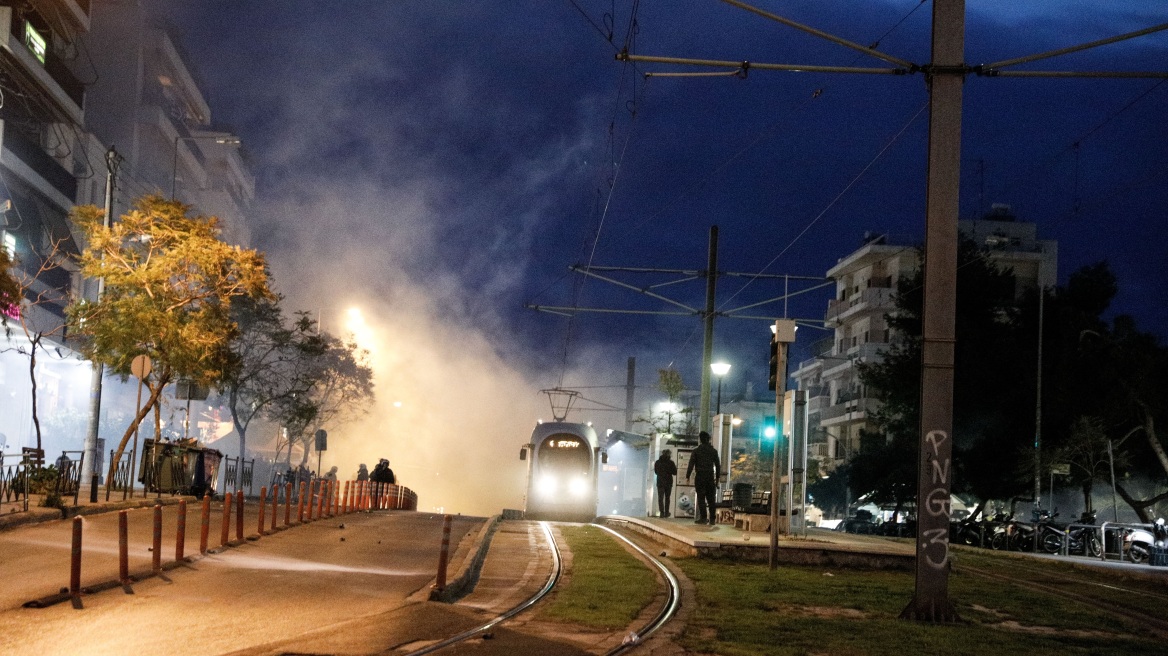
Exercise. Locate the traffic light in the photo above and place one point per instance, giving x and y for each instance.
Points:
(773, 382)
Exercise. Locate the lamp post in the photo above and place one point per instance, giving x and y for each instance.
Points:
(218, 138)
(720, 370)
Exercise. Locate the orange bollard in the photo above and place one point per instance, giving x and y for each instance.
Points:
(227, 499)
(300, 502)
(156, 564)
(124, 547)
(239, 516)
(320, 499)
(75, 561)
(180, 540)
(205, 529)
(345, 498)
(311, 503)
(263, 507)
(275, 505)
(440, 583)
(287, 504)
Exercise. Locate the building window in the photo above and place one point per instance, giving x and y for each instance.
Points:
(10, 244)
(35, 41)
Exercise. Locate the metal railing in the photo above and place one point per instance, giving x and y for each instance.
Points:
(14, 479)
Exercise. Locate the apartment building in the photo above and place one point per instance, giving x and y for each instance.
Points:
(838, 405)
(147, 103)
(43, 158)
(77, 77)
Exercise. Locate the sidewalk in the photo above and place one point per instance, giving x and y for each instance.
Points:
(12, 516)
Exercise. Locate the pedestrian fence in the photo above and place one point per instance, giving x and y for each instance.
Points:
(320, 500)
(14, 479)
(238, 473)
(24, 474)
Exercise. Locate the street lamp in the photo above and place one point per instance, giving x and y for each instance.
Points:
(720, 370)
(218, 138)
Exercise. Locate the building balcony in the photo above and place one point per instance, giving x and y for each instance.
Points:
(850, 411)
(868, 300)
(44, 68)
(33, 159)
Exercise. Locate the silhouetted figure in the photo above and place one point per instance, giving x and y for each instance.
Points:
(381, 477)
(704, 460)
(362, 472)
(665, 469)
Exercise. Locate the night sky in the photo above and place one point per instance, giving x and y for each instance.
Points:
(444, 163)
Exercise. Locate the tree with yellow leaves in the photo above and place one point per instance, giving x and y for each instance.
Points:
(169, 284)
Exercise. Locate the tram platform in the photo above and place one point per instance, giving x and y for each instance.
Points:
(814, 546)
(825, 547)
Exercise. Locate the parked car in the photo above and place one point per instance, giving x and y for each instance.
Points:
(858, 525)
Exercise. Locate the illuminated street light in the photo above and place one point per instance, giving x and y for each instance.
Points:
(720, 370)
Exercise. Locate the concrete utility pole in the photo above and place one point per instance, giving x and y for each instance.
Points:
(630, 387)
(784, 335)
(945, 77)
(89, 458)
(708, 331)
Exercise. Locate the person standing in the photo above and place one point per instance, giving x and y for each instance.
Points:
(665, 469)
(362, 473)
(704, 460)
(379, 482)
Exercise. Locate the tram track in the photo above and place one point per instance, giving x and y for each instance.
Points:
(1060, 585)
(668, 608)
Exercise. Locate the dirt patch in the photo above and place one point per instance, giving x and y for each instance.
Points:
(827, 612)
(1011, 625)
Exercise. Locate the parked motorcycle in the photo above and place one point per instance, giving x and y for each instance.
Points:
(1138, 542)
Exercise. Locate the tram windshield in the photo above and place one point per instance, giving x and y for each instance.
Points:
(566, 453)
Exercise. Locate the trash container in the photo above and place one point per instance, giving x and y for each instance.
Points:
(1158, 556)
(743, 492)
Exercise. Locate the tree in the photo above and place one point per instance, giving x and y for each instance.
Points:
(169, 285)
(1116, 377)
(339, 388)
(989, 420)
(270, 361)
(20, 293)
(10, 289)
(670, 384)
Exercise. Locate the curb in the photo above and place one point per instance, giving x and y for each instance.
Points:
(468, 574)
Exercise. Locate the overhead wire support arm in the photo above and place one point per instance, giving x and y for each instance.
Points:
(992, 69)
(641, 290)
(871, 52)
(568, 310)
(1109, 74)
(737, 66)
(781, 298)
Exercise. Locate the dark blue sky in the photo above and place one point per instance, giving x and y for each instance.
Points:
(467, 153)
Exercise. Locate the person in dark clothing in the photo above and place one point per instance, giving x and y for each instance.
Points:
(665, 469)
(362, 473)
(377, 478)
(704, 460)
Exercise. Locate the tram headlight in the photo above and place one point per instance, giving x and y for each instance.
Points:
(578, 487)
(546, 485)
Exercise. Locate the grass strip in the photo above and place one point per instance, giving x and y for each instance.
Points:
(745, 609)
(608, 586)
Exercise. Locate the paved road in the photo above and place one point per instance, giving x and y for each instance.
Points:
(316, 579)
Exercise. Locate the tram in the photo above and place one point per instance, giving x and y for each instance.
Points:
(563, 460)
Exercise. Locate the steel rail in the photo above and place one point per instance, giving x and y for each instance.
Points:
(553, 578)
(668, 609)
